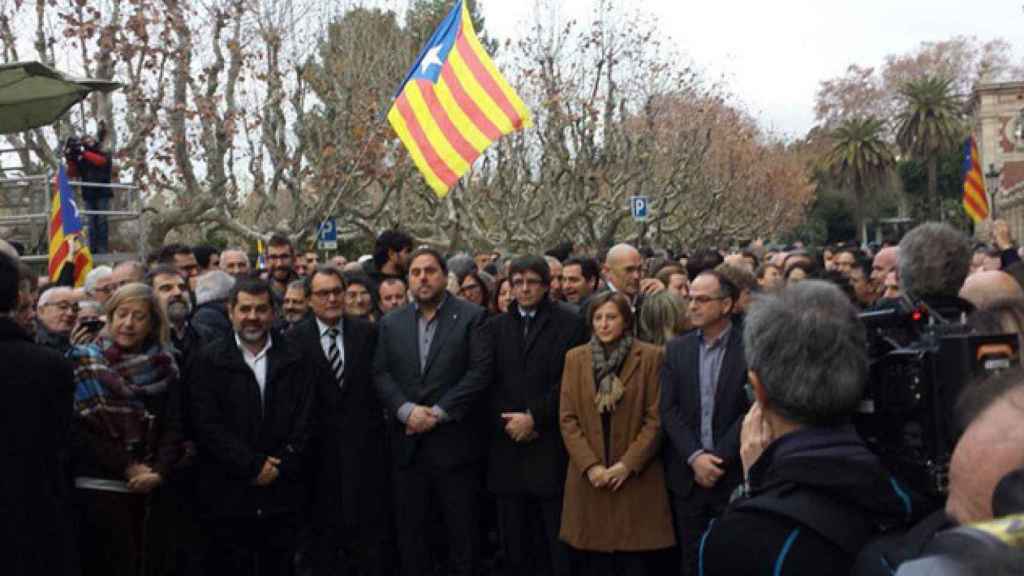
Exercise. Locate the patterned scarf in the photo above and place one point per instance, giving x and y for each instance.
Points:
(606, 372)
(111, 387)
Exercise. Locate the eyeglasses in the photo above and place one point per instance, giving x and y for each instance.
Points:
(470, 288)
(105, 289)
(702, 300)
(64, 306)
(325, 294)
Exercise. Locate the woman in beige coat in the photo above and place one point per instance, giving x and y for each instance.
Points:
(615, 509)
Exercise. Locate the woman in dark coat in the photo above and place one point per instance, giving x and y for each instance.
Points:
(121, 383)
(616, 508)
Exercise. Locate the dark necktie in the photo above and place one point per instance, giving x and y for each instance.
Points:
(527, 320)
(334, 357)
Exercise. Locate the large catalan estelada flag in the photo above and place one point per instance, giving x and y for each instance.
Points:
(454, 103)
(69, 250)
(975, 198)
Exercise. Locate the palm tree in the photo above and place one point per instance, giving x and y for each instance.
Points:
(861, 159)
(929, 124)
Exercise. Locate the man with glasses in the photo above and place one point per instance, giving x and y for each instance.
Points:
(702, 407)
(280, 265)
(350, 521)
(527, 459)
(99, 284)
(56, 314)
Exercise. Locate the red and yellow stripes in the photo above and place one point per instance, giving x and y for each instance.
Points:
(65, 247)
(447, 125)
(975, 199)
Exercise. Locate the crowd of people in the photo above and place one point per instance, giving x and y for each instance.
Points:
(410, 412)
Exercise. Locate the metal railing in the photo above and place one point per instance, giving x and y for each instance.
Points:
(43, 187)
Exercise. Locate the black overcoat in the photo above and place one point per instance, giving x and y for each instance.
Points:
(528, 377)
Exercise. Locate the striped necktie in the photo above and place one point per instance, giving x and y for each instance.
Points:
(334, 357)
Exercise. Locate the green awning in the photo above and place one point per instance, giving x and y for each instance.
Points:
(33, 94)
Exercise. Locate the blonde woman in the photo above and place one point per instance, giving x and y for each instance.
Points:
(121, 383)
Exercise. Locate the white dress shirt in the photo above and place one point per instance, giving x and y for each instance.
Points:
(257, 362)
(325, 339)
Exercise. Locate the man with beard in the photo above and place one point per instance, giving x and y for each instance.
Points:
(172, 291)
(295, 306)
(390, 257)
(181, 257)
(251, 400)
(432, 366)
(280, 262)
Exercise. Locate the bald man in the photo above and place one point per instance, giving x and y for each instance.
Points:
(884, 263)
(983, 288)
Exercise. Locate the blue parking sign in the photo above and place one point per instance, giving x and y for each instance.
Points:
(328, 235)
(638, 206)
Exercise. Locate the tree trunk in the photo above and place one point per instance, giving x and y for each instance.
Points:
(933, 186)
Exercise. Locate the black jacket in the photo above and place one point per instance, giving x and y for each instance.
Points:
(35, 424)
(680, 408)
(211, 322)
(528, 377)
(235, 432)
(817, 496)
(457, 373)
(349, 464)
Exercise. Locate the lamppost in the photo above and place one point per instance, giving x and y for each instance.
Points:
(992, 188)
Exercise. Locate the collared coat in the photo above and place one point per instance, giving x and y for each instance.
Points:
(35, 421)
(637, 517)
(528, 378)
(349, 458)
(236, 430)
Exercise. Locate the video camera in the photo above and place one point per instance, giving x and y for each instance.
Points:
(73, 147)
(921, 357)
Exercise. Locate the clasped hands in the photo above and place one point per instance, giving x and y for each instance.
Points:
(268, 473)
(421, 419)
(519, 426)
(142, 479)
(612, 478)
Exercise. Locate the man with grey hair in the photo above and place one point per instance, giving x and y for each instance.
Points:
(235, 261)
(934, 260)
(99, 284)
(211, 319)
(814, 493)
(127, 272)
(57, 312)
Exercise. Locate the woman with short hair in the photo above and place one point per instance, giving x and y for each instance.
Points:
(615, 511)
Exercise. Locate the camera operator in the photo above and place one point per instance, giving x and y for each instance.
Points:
(815, 494)
(982, 515)
(87, 162)
(934, 260)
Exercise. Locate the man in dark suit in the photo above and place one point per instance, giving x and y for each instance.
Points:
(35, 424)
(432, 367)
(527, 460)
(251, 399)
(703, 402)
(349, 466)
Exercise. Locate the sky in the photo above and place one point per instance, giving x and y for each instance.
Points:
(772, 55)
